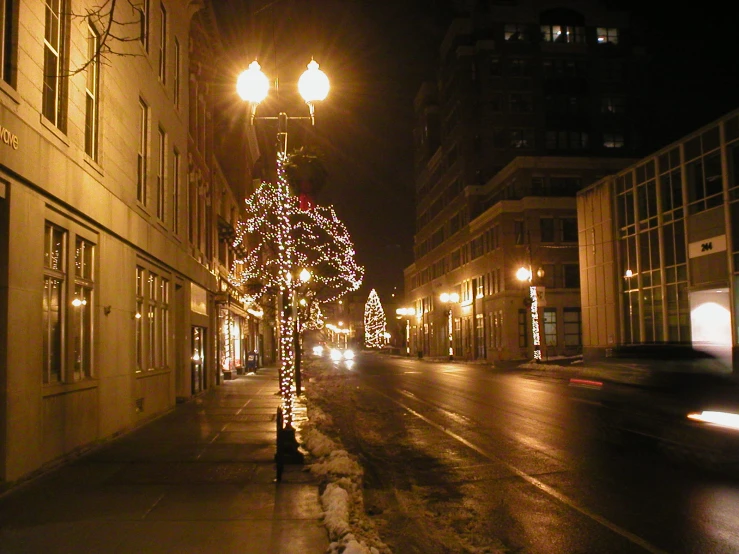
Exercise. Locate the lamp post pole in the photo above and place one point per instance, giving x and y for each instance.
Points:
(253, 86)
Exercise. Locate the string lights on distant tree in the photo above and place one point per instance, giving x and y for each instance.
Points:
(374, 321)
(286, 235)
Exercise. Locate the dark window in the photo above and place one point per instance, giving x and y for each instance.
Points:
(571, 276)
(569, 229)
(547, 229)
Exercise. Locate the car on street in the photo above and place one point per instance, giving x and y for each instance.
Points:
(679, 397)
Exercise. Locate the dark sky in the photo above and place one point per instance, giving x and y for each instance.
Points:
(377, 53)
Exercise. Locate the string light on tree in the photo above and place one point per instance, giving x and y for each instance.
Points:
(374, 321)
(281, 239)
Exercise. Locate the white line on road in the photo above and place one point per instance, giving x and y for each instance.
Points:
(535, 482)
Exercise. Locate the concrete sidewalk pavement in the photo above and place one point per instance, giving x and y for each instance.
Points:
(199, 479)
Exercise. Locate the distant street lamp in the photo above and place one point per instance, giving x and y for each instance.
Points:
(449, 298)
(408, 313)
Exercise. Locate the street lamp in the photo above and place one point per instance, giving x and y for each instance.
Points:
(449, 298)
(408, 313)
(253, 86)
(627, 276)
(525, 274)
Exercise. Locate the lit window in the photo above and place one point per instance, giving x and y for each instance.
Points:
(607, 35)
(563, 34)
(613, 140)
(67, 305)
(515, 32)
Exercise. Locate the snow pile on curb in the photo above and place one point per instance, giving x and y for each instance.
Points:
(342, 501)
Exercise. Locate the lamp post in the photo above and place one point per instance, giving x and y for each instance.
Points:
(408, 313)
(525, 274)
(449, 298)
(627, 276)
(253, 86)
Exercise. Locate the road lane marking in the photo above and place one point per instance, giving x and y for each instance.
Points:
(551, 491)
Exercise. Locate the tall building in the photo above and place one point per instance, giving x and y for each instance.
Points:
(114, 224)
(533, 100)
(659, 247)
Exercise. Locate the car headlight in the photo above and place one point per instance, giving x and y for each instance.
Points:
(348, 354)
(722, 419)
(318, 350)
(335, 354)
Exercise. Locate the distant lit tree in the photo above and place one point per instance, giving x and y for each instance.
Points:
(374, 322)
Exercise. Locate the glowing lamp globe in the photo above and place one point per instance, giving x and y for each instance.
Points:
(313, 83)
(523, 274)
(253, 85)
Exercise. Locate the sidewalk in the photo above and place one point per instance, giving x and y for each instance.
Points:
(199, 479)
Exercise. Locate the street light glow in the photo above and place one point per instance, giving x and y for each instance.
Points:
(253, 85)
(523, 274)
(305, 275)
(313, 83)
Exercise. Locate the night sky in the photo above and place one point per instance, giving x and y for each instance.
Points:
(377, 53)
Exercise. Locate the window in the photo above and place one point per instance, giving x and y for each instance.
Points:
(161, 170)
(522, 138)
(519, 67)
(91, 93)
(143, 10)
(176, 191)
(152, 320)
(569, 229)
(572, 326)
(613, 140)
(547, 229)
(81, 330)
(7, 41)
(518, 231)
(613, 105)
(67, 305)
(176, 79)
(705, 182)
(566, 140)
(571, 276)
(550, 326)
(162, 43)
(520, 102)
(523, 336)
(607, 35)
(55, 243)
(563, 34)
(494, 67)
(141, 191)
(515, 32)
(55, 83)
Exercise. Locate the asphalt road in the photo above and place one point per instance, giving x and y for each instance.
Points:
(464, 458)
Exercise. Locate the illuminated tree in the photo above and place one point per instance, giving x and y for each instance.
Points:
(374, 322)
(280, 240)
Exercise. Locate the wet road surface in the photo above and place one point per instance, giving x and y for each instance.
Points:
(465, 458)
